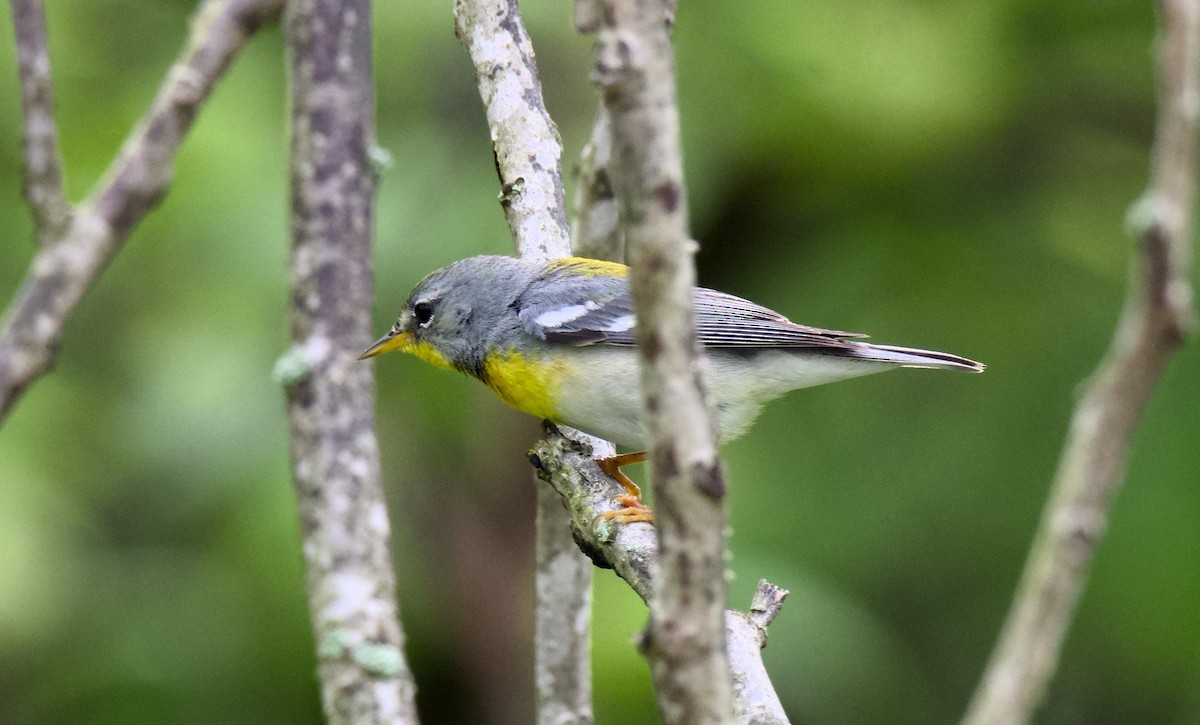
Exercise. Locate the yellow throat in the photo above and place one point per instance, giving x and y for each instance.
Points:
(527, 385)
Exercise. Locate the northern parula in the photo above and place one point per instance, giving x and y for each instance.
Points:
(556, 340)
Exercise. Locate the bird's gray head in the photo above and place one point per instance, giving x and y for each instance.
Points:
(454, 315)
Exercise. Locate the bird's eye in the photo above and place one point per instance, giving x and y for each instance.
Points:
(423, 311)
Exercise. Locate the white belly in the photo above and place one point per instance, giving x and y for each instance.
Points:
(602, 393)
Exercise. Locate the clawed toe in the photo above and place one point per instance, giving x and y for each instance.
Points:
(632, 509)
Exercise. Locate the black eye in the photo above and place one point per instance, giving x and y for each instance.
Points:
(423, 311)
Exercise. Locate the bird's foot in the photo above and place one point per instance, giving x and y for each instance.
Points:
(632, 509)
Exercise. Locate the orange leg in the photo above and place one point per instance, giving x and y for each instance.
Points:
(633, 509)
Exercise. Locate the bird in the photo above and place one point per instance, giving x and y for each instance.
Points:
(557, 340)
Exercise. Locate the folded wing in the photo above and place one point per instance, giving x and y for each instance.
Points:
(564, 307)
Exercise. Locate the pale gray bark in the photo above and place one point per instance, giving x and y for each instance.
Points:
(596, 229)
(78, 244)
(631, 550)
(563, 624)
(521, 133)
(1156, 317)
(528, 152)
(754, 698)
(39, 132)
(364, 677)
(686, 645)
(524, 138)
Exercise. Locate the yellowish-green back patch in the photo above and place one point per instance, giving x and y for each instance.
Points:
(590, 267)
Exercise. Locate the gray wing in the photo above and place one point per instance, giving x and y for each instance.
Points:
(724, 320)
(599, 310)
(564, 306)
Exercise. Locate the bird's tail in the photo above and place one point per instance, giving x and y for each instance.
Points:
(910, 357)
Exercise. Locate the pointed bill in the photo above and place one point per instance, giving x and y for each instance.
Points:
(388, 343)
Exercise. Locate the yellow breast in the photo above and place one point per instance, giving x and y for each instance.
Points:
(528, 384)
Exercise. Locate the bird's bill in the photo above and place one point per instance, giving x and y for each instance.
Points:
(388, 343)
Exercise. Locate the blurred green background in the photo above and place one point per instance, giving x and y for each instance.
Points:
(947, 175)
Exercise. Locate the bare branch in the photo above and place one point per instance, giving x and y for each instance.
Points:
(768, 600)
(516, 116)
(1155, 318)
(335, 455)
(628, 549)
(527, 150)
(754, 698)
(64, 269)
(524, 138)
(631, 550)
(563, 631)
(635, 69)
(597, 228)
(43, 161)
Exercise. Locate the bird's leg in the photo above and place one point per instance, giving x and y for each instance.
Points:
(633, 509)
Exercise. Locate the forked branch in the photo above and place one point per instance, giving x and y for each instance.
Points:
(77, 247)
(527, 152)
(631, 551)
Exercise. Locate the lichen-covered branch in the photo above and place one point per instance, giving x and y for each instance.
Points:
(524, 138)
(43, 162)
(335, 457)
(65, 266)
(631, 550)
(1153, 323)
(527, 152)
(686, 648)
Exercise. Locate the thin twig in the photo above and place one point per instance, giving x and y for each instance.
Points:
(527, 153)
(43, 161)
(335, 455)
(1154, 321)
(635, 68)
(65, 268)
(631, 550)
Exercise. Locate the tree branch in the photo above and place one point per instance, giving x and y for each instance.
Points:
(524, 138)
(43, 161)
(527, 152)
(335, 455)
(562, 620)
(65, 267)
(508, 83)
(1154, 321)
(597, 228)
(631, 550)
(635, 69)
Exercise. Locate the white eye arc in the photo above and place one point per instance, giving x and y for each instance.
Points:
(423, 313)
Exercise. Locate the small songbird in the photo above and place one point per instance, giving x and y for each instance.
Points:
(556, 340)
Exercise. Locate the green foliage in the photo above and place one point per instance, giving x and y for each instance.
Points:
(946, 175)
